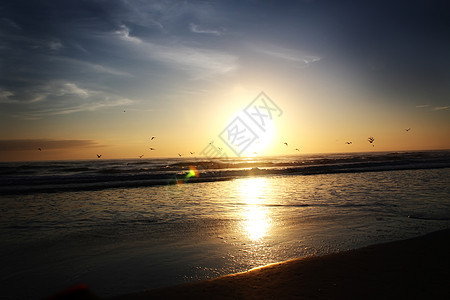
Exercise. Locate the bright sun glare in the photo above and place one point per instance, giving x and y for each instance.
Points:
(263, 138)
(262, 143)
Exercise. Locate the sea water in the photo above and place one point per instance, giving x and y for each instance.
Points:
(129, 225)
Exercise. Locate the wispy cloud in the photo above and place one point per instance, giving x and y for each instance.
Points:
(88, 66)
(124, 33)
(200, 63)
(436, 108)
(110, 71)
(197, 29)
(54, 45)
(6, 96)
(302, 60)
(45, 144)
(10, 23)
(57, 98)
(441, 108)
(68, 88)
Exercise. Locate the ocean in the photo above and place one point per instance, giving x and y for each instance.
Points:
(122, 226)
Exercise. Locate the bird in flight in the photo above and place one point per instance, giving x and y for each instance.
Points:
(371, 139)
(140, 156)
(179, 154)
(39, 149)
(348, 143)
(152, 138)
(285, 143)
(151, 148)
(408, 129)
(99, 155)
(297, 149)
(191, 152)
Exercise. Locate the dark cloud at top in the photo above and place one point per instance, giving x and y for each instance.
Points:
(45, 46)
(71, 56)
(108, 49)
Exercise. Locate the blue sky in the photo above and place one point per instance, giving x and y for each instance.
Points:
(71, 69)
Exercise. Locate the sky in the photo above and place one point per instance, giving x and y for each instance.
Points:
(80, 78)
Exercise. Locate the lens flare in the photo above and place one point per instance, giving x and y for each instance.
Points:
(193, 172)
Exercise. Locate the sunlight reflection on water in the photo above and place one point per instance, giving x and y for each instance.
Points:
(256, 222)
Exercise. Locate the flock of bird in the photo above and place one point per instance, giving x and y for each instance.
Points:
(371, 139)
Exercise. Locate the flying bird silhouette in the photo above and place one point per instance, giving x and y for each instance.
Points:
(99, 155)
(179, 154)
(140, 156)
(408, 129)
(39, 149)
(151, 148)
(348, 143)
(285, 143)
(152, 138)
(191, 152)
(371, 139)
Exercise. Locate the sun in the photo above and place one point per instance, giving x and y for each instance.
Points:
(263, 142)
(246, 138)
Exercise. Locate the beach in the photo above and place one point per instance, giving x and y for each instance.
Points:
(417, 268)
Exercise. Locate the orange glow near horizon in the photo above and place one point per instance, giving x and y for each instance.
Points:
(306, 124)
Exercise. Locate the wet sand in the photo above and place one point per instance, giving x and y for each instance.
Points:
(417, 268)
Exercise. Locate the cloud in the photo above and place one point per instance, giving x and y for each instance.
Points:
(196, 29)
(124, 33)
(68, 88)
(59, 97)
(44, 144)
(88, 66)
(200, 63)
(85, 56)
(302, 60)
(52, 90)
(10, 23)
(434, 108)
(110, 71)
(55, 45)
(5, 96)
(441, 108)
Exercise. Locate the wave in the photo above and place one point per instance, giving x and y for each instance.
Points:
(18, 178)
(429, 217)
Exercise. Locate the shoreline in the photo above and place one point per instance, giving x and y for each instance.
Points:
(417, 267)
